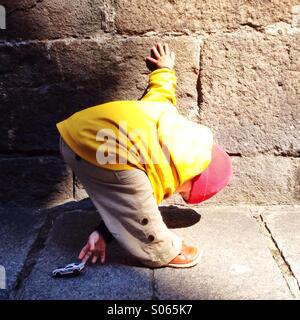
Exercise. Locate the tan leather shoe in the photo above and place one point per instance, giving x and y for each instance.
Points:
(188, 257)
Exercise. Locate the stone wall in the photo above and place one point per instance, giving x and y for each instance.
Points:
(238, 68)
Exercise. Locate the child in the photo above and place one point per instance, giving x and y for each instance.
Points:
(130, 155)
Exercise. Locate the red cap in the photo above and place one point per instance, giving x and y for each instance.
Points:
(216, 176)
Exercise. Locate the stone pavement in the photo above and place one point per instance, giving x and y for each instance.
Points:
(249, 253)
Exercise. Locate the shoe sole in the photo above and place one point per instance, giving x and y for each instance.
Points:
(187, 265)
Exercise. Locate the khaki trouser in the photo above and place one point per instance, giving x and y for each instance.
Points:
(125, 201)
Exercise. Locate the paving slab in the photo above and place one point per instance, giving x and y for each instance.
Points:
(18, 231)
(236, 264)
(284, 225)
(122, 277)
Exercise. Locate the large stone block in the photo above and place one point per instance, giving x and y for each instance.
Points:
(52, 19)
(261, 180)
(45, 84)
(209, 16)
(34, 181)
(250, 92)
(117, 61)
(122, 62)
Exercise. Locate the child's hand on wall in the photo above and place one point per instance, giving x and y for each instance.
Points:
(95, 248)
(161, 57)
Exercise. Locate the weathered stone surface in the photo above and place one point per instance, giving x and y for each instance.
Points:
(209, 16)
(18, 230)
(250, 92)
(34, 181)
(68, 76)
(236, 262)
(284, 224)
(52, 19)
(120, 278)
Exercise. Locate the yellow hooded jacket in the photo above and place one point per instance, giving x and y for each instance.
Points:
(148, 134)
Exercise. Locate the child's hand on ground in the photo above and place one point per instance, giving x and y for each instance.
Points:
(161, 57)
(95, 248)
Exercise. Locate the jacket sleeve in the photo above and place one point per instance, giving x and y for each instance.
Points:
(102, 229)
(161, 87)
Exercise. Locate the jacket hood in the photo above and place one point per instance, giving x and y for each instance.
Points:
(188, 145)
